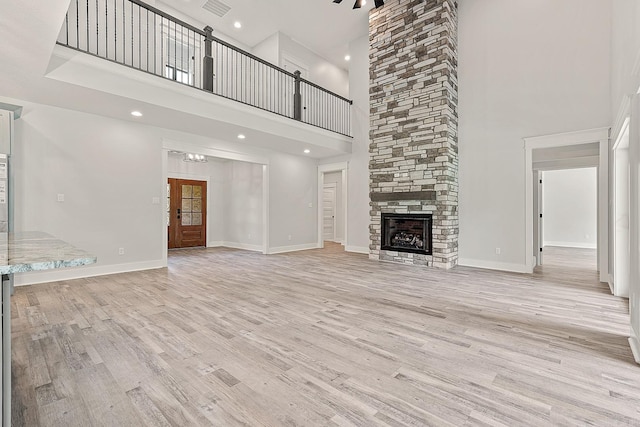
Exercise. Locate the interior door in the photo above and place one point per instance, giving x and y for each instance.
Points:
(187, 213)
(329, 212)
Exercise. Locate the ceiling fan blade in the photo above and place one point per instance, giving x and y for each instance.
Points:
(379, 3)
(358, 4)
(337, 1)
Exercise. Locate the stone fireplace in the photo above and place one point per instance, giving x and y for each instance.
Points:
(413, 163)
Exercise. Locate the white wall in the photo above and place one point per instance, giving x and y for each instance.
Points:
(625, 81)
(526, 68)
(570, 208)
(111, 170)
(293, 183)
(321, 71)
(269, 49)
(336, 178)
(625, 52)
(243, 205)
(108, 170)
(358, 171)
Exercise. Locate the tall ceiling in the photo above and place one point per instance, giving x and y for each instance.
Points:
(321, 25)
(29, 29)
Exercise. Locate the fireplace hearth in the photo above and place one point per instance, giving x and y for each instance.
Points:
(407, 233)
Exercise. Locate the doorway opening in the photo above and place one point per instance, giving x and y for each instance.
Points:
(573, 150)
(567, 224)
(231, 203)
(332, 206)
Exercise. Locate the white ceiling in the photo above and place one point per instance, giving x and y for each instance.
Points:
(320, 25)
(29, 28)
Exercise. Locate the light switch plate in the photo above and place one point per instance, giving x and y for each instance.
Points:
(61, 197)
(155, 200)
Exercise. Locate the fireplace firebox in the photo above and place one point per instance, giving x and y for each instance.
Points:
(407, 233)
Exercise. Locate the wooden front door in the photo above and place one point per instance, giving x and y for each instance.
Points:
(187, 215)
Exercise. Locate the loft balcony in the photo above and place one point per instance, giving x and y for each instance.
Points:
(141, 37)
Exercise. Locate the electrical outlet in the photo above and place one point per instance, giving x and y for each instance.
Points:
(289, 237)
(498, 251)
(120, 251)
(310, 205)
(249, 236)
(61, 197)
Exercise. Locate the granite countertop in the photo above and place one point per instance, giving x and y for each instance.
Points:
(32, 251)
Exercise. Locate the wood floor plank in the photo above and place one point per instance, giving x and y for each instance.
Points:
(225, 337)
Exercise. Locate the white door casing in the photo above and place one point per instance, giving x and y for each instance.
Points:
(600, 136)
(621, 196)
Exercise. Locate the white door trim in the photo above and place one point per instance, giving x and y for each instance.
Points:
(599, 135)
(333, 167)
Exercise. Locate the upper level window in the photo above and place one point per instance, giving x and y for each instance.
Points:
(178, 75)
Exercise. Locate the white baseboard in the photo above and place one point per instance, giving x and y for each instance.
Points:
(45, 276)
(572, 245)
(294, 248)
(244, 246)
(215, 244)
(357, 249)
(610, 283)
(634, 343)
(491, 265)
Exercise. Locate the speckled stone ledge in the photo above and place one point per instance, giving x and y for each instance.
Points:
(34, 251)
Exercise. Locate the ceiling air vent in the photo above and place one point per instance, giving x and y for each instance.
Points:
(216, 7)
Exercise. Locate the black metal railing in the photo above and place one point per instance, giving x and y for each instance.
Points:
(140, 36)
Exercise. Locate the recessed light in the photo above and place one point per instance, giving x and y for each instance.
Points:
(237, 24)
(347, 58)
(307, 151)
(136, 113)
(241, 136)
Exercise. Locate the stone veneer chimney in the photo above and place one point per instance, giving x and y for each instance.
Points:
(413, 154)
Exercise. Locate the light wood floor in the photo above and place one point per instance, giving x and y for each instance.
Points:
(323, 338)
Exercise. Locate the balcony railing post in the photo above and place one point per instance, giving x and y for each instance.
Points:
(297, 97)
(207, 77)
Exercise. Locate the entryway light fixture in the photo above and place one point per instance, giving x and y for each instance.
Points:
(136, 113)
(307, 151)
(359, 3)
(190, 157)
(241, 136)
